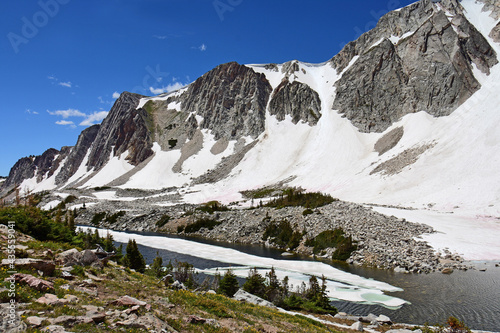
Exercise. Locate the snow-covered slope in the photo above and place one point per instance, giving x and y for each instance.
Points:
(223, 134)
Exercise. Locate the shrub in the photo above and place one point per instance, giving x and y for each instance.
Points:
(97, 218)
(282, 234)
(114, 217)
(36, 223)
(307, 211)
(163, 220)
(201, 223)
(212, 206)
(297, 197)
(333, 239)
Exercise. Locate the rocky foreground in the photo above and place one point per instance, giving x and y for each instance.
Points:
(383, 241)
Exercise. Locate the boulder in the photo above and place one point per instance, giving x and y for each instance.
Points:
(54, 329)
(147, 322)
(49, 299)
(244, 296)
(33, 282)
(45, 266)
(447, 270)
(357, 326)
(382, 319)
(88, 257)
(70, 257)
(35, 321)
(128, 301)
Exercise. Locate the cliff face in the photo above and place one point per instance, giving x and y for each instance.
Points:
(232, 100)
(35, 167)
(77, 154)
(419, 58)
(124, 129)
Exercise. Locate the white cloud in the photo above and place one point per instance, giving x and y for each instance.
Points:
(89, 119)
(67, 113)
(168, 88)
(65, 123)
(65, 84)
(116, 94)
(203, 47)
(31, 112)
(94, 118)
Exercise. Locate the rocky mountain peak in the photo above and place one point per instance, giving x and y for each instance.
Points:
(419, 58)
(124, 129)
(231, 99)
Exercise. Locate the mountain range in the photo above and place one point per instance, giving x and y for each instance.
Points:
(405, 116)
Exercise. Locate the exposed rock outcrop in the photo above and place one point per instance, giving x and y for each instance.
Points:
(124, 129)
(297, 100)
(416, 59)
(77, 154)
(232, 100)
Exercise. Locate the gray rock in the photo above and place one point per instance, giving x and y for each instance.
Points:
(70, 257)
(35, 321)
(431, 70)
(383, 319)
(244, 296)
(232, 100)
(88, 257)
(297, 100)
(357, 326)
(54, 329)
(178, 285)
(45, 266)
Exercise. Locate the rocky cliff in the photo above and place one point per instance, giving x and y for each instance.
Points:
(420, 58)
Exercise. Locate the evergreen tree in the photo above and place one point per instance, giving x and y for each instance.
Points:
(133, 258)
(108, 243)
(273, 286)
(157, 266)
(255, 283)
(228, 284)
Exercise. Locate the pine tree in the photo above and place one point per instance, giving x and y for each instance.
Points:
(255, 283)
(133, 258)
(228, 284)
(273, 286)
(157, 266)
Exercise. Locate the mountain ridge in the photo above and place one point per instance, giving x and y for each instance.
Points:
(241, 127)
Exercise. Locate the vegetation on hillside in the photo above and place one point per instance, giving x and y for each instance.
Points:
(298, 197)
(343, 245)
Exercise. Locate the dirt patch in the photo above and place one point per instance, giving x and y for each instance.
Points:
(397, 164)
(389, 140)
(189, 149)
(220, 146)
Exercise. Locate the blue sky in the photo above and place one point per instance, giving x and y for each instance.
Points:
(64, 62)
